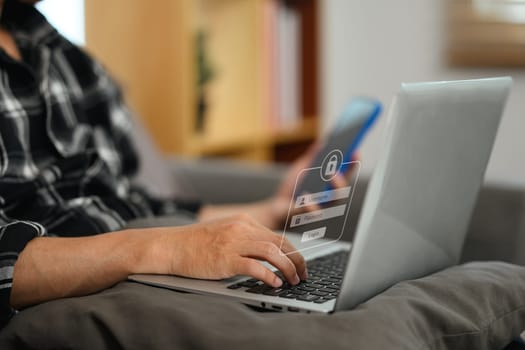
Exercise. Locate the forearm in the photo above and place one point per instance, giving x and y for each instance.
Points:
(268, 212)
(50, 268)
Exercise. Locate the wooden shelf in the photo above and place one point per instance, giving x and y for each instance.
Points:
(152, 52)
(203, 146)
(262, 147)
(307, 130)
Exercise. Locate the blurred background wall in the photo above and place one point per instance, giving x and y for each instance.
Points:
(371, 46)
(346, 48)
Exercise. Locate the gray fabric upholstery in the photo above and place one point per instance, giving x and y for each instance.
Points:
(225, 181)
(210, 180)
(475, 306)
(497, 228)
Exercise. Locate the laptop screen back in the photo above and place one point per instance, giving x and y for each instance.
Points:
(425, 185)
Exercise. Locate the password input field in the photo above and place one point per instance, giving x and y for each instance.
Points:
(317, 215)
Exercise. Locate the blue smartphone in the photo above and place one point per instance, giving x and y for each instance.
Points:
(346, 136)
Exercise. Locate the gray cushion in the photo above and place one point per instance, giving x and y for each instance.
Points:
(474, 306)
(497, 228)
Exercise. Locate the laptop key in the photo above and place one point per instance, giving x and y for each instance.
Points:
(321, 300)
(297, 291)
(288, 295)
(259, 289)
(234, 286)
(275, 291)
(307, 297)
(306, 289)
(248, 284)
(332, 280)
(324, 282)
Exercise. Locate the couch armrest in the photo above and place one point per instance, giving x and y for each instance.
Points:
(212, 180)
(225, 181)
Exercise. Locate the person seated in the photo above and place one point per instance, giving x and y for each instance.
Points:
(66, 193)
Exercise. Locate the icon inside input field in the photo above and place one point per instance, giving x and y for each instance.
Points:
(322, 197)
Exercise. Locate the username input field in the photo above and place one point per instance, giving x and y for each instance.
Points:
(322, 197)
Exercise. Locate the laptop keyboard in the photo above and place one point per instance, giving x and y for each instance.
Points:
(325, 275)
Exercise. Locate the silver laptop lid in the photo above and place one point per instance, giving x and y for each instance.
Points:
(423, 190)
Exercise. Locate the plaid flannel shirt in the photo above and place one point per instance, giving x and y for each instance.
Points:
(65, 152)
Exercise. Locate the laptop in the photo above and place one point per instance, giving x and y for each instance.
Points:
(416, 211)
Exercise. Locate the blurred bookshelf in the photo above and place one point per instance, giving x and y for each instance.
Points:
(225, 78)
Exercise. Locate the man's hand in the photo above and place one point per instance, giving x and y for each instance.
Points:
(231, 246)
(52, 267)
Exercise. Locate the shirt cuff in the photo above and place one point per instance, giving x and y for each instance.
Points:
(14, 236)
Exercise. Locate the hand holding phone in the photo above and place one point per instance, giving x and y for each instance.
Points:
(341, 144)
(322, 196)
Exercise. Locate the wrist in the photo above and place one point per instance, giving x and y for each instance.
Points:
(140, 250)
(155, 250)
(270, 213)
(278, 209)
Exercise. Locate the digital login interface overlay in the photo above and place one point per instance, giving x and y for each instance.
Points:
(319, 208)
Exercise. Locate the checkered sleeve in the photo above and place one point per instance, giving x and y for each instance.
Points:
(13, 238)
